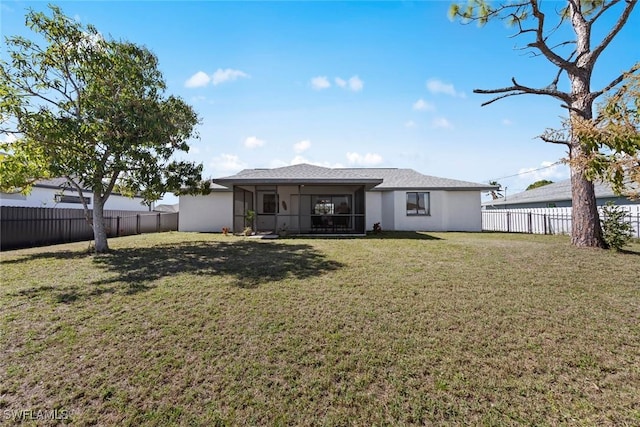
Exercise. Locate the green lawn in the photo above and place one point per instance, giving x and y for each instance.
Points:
(397, 329)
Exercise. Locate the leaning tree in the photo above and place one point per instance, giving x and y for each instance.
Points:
(575, 59)
(92, 110)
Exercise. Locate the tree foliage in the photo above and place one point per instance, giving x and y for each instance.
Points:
(565, 37)
(92, 110)
(497, 193)
(540, 183)
(614, 138)
(617, 229)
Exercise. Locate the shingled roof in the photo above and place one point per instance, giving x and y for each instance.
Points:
(299, 174)
(556, 192)
(375, 178)
(395, 179)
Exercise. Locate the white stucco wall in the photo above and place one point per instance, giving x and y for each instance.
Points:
(449, 211)
(373, 206)
(463, 211)
(206, 213)
(45, 198)
(388, 211)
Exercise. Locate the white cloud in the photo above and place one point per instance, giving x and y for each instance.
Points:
(369, 159)
(546, 170)
(437, 86)
(253, 142)
(422, 105)
(302, 146)
(227, 162)
(355, 84)
(227, 75)
(410, 124)
(199, 79)
(507, 122)
(320, 82)
(441, 123)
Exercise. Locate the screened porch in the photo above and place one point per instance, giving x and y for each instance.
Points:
(300, 209)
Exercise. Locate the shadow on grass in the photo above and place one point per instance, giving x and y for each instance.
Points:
(250, 263)
(402, 235)
(629, 252)
(134, 270)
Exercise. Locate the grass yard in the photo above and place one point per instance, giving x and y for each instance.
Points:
(398, 329)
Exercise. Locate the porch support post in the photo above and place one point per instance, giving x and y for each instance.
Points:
(299, 209)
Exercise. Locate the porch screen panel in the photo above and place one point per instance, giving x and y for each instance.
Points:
(242, 202)
(359, 210)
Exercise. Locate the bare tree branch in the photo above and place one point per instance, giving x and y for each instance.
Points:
(540, 42)
(616, 81)
(518, 89)
(605, 6)
(622, 20)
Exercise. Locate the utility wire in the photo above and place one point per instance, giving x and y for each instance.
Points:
(529, 171)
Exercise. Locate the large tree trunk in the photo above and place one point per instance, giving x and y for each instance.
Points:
(585, 221)
(99, 231)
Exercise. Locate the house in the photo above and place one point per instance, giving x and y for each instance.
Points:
(556, 195)
(311, 199)
(57, 193)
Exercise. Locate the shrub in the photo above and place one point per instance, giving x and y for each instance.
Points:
(617, 232)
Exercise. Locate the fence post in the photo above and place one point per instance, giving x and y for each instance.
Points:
(118, 226)
(544, 218)
(158, 223)
(508, 222)
(137, 223)
(530, 219)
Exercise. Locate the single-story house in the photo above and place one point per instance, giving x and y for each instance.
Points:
(556, 195)
(307, 199)
(58, 193)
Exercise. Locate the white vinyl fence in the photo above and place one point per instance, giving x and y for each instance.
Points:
(544, 220)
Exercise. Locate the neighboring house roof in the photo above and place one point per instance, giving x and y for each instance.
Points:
(167, 208)
(56, 183)
(374, 178)
(556, 192)
(63, 183)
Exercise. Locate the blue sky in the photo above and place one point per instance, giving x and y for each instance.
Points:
(375, 84)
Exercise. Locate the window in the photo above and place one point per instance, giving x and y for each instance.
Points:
(269, 203)
(418, 204)
(63, 198)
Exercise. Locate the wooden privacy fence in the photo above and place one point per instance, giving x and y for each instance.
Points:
(545, 220)
(22, 227)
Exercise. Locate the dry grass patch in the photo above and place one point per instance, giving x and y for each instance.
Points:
(404, 328)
